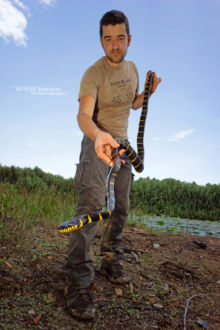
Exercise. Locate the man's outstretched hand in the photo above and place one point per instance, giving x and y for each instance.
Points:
(104, 145)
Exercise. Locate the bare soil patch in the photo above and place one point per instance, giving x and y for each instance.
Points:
(175, 283)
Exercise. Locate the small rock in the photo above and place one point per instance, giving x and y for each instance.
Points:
(203, 323)
(158, 306)
(119, 292)
(31, 312)
(156, 246)
(218, 282)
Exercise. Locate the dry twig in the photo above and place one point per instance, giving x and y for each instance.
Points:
(200, 244)
(177, 265)
(186, 309)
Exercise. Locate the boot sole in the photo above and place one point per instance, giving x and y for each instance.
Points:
(123, 280)
(83, 315)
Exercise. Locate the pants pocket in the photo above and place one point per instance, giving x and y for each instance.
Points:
(83, 176)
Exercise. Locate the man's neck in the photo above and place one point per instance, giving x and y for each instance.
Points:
(116, 65)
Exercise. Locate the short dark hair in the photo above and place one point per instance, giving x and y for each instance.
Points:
(114, 17)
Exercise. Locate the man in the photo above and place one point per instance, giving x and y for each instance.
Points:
(109, 88)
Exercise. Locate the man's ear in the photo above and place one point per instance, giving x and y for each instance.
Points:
(129, 40)
(101, 42)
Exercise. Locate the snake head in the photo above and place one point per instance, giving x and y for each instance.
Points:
(70, 225)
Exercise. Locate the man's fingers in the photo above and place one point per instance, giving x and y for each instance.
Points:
(121, 152)
(108, 150)
(114, 144)
(155, 81)
(103, 156)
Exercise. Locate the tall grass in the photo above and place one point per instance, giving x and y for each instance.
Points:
(175, 198)
(31, 196)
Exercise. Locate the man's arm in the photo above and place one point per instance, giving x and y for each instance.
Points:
(139, 99)
(86, 109)
(104, 142)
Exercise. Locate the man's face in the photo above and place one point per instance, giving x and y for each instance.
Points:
(115, 42)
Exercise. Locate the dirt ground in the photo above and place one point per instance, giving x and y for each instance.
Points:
(175, 283)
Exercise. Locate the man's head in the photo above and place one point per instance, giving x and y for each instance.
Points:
(114, 17)
(114, 36)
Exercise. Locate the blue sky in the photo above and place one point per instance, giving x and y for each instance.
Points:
(45, 46)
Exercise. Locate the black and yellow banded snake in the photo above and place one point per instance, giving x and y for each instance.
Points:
(137, 161)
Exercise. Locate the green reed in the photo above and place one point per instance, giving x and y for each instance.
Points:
(31, 196)
(175, 198)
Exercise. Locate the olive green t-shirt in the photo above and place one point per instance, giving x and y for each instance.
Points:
(114, 89)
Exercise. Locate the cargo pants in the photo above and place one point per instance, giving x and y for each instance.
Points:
(90, 181)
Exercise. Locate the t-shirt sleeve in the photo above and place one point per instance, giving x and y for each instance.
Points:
(136, 71)
(89, 83)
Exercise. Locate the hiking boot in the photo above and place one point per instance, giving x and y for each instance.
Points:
(114, 273)
(80, 304)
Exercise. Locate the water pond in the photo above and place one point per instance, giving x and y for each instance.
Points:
(177, 225)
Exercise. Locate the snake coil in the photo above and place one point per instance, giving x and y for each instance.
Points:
(137, 161)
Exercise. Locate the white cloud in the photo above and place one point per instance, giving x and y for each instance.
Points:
(181, 135)
(48, 3)
(21, 5)
(12, 22)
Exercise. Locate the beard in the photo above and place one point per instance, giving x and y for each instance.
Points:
(116, 59)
